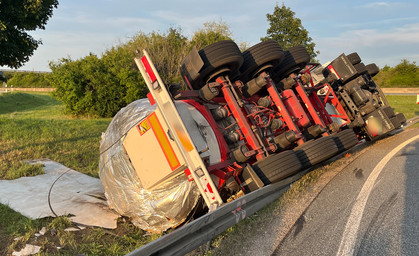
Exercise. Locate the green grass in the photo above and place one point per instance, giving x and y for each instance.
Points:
(404, 104)
(33, 126)
(12, 225)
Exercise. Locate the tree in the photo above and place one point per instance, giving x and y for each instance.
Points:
(288, 30)
(17, 17)
(406, 67)
(212, 32)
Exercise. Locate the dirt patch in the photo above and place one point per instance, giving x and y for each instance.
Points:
(400, 90)
(4, 241)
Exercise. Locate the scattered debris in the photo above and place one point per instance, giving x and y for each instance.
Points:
(28, 250)
(71, 229)
(43, 231)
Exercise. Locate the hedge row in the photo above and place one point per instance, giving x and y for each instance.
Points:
(405, 74)
(28, 79)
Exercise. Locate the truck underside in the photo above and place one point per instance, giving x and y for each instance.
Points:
(246, 120)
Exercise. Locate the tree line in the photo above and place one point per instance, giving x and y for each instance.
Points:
(100, 85)
(28, 79)
(405, 74)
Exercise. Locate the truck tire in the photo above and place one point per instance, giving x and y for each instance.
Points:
(295, 59)
(221, 56)
(372, 69)
(259, 57)
(345, 139)
(388, 111)
(315, 151)
(398, 120)
(277, 167)
(354, 58)
(360, 68)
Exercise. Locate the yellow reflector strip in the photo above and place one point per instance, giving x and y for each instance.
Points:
(163, 141)
(184, 140)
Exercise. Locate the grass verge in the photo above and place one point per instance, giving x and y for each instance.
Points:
(406, 105)
(33, 126)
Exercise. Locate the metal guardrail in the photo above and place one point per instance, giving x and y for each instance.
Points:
(205, 228)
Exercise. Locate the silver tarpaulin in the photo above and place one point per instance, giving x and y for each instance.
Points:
(156, 210)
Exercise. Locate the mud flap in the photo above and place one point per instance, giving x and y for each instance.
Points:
(250, 180)
(378, 123)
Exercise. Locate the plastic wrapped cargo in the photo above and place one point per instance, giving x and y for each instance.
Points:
(164, 206)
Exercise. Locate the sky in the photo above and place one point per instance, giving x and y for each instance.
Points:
(383, 32)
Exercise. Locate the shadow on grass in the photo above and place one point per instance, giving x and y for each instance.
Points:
(18, 102)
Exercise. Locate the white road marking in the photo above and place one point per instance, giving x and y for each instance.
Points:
(348, 242)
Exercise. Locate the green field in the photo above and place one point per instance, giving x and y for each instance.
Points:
(404, 104)
(33, 126)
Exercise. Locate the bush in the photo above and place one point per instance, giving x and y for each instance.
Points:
(28, 79)
(100, 86)
(87, 87)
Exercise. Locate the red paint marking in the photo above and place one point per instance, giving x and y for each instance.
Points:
(188, 174)
(209, 188)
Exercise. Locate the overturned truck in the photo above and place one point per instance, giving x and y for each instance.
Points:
(246, 119)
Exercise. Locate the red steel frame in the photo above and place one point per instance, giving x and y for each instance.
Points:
(332, 99)
(308, 97)
(274, 94)
(316, 106)
(241, 119)
(307, 103)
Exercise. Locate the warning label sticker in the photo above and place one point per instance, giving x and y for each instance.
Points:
(143, 127)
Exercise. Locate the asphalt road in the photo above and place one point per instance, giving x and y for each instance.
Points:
(370, 208)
